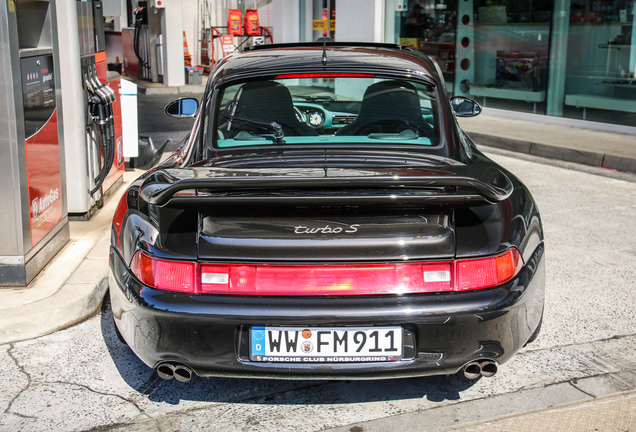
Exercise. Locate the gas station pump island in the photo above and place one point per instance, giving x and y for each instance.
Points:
(60, 154)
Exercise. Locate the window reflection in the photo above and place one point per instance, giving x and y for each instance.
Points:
(600, 70)
(570, 58)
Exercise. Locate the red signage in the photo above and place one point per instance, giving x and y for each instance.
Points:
(43, 174)
(42, 145)
(227, 42)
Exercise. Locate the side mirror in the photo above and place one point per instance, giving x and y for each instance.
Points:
(465, 107)
(184, 107)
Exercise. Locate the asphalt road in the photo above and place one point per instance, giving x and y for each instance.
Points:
(83, 378)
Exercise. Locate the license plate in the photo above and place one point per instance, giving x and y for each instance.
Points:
(325, 344)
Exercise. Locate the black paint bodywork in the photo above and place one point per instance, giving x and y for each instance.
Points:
(247, 197)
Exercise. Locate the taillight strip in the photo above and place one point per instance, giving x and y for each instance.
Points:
(326, 280)
(326, 75)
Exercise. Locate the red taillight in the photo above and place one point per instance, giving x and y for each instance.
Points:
(308, 280)
(326, 280)
(163, 274)
(487, 272)
(326, 75)
(118, 217)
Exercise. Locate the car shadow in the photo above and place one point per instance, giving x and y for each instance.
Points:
(267, 391)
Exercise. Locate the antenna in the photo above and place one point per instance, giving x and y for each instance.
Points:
(324, 40)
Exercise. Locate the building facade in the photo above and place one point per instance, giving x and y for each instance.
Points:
(564, 58)
(567, 59)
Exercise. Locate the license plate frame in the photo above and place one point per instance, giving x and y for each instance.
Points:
(276, 344)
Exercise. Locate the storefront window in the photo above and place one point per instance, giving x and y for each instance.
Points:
(600, 69)
(563, 58)
(507, 65)
(430, 27)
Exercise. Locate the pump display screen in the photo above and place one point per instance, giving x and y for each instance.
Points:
(38, 88)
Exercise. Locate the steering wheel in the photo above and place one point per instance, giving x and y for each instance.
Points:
(300, 116)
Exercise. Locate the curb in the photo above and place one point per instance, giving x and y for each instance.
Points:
(584, 157)
(73, 303)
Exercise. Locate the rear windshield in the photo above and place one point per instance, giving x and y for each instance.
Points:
(342, 110)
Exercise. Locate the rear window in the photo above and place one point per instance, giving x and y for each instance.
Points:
(327, 110)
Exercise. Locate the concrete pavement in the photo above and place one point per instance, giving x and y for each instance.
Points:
(619, 409)
(71, 287)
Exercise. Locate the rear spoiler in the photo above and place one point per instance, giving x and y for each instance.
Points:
(198, 186)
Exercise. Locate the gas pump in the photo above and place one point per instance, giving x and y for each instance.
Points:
(141, 27)
(32, 199)
(92, 126)
(100, 126)
(138, 44)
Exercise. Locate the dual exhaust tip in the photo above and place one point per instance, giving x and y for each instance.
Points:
(178, 371)
(475, 369)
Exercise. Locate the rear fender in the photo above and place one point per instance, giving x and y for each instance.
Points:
(138, 233)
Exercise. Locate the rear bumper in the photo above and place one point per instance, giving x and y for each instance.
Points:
(442, 332)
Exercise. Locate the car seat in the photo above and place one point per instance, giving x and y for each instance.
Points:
(267, 101)
(389, 107)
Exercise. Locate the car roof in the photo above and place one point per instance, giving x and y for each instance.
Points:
(341, 57)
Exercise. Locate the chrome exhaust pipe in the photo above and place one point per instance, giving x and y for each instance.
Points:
(472, 370)
(488, 368)
(182, 373)
(166, 371)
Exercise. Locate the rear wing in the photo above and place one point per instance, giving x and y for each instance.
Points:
(326, 186)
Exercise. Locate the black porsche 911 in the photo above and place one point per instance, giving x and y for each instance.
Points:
(326, 218)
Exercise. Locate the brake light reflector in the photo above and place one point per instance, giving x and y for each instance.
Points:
(487, 272)
(338, 279)
(118, 217)
(163, 274)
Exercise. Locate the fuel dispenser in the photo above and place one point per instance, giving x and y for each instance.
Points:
(137, 44)
(94, 156)
(33, 207)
